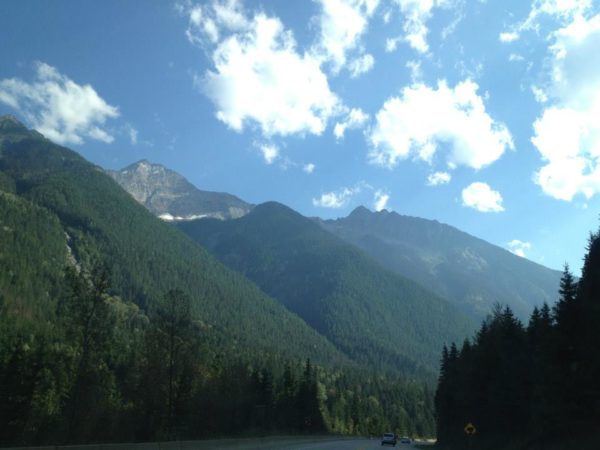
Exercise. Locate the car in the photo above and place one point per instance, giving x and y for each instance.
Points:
(405, 440)
(388, 439)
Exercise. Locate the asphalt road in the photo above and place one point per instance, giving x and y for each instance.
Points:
(350, 444)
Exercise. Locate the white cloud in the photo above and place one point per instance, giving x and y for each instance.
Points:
(423, 117)
(336, 199)
(416, 14)
(539, 94)
(132, 133)
(452, 26)
(567, 133)
(387, 16)
(416, 73)
(259, 77)
(515, 57)
(391, 44)
(481, 197)
(519, 247)
(438, 178)
(308, 168)
(562, 10)
(342, 24)
(59, 108)
(509, 36)
(207, 21)
(380, 200)
(356, 118)
(361, 65)
(270, 152)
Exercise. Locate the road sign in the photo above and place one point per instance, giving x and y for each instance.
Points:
(470, 428)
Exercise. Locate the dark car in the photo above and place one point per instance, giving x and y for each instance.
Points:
(388, 439)
(405, 440)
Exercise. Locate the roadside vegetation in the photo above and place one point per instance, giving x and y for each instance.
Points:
(533, 386)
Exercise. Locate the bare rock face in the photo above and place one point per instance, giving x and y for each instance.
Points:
(171, 197)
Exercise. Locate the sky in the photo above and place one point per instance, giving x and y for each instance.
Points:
(480, 114)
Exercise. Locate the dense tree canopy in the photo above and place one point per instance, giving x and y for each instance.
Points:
(537, 384)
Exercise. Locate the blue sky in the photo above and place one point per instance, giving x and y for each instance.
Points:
(479, 114)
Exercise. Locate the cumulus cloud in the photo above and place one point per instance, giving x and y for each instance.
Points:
(259, 77)
(308, 168)
(342, 24)
(519, 247)
(336, 199)
(415, 123)
(391, 44)
(416, 15)
(438, 178)
(380, 200)
(481, 197)
(270, 152)
(567, 133)
(509, 36)
(361, 65)
(356, 118)
(58, 107)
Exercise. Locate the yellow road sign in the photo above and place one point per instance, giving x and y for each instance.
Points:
(470, 428)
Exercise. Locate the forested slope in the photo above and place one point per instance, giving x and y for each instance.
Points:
(376, 317)
(58, 198)
(469, 272)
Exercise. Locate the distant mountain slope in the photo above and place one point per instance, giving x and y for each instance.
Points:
(468, 271)
(54, 204)
(374, 316)
(171, 197)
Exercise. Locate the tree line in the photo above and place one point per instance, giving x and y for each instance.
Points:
(101, 369)
(525, 386)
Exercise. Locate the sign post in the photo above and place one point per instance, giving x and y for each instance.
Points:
(470, 431)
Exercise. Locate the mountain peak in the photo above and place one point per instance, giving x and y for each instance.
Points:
(360, 211)
(9, 123)
(171, 197)
(142, 164)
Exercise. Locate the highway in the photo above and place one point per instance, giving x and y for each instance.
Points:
(297, 444)
(349, 444)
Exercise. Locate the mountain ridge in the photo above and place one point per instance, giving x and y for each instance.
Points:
(373, 315)
(462, 268)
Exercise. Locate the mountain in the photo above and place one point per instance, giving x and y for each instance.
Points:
(57, 209)
(374, 316)
(171, 197)
(470, 272)
(172, 342)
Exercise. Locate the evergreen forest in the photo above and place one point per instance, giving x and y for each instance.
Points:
(115, 326)
(533, 386)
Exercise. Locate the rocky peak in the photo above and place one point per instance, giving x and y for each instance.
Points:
(171, 197)
(10, 124)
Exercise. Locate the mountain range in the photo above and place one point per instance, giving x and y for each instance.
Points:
(374, 316)
(262, 278)
(58, 210)
(111, 318)
(465, 270)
